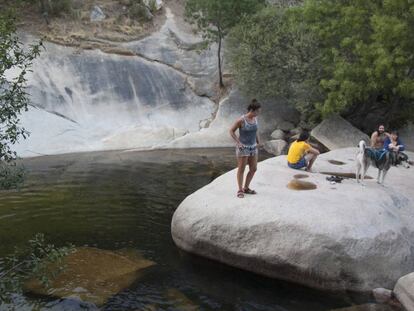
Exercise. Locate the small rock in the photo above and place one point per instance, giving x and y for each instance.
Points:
(97, 14)
(275, 147)
(382, 295)
(295, 131)
(278, 134)
(285, 126)
(157, 3)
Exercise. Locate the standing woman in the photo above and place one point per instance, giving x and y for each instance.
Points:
(246, 146)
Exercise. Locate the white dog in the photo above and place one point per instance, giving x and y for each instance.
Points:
(368, 156)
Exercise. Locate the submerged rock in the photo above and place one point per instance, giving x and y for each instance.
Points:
(341, 237)
(93, 275)
(335, 132)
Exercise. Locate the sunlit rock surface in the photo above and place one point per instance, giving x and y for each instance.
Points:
(93, 275)
(339, 236)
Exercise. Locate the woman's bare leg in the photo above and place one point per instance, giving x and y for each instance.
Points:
(252, 169)
(312, 159)
(241, 165)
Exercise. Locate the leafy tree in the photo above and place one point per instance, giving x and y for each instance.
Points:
(15, 62)
(216, 17)
(273, 55)
(363, 48)
(368, 53)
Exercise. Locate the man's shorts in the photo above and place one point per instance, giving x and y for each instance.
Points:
(300, 164)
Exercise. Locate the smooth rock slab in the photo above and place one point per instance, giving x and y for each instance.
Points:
(404, 290)
(336, 237)
(93, 275)
(335, 132)
(366, 307)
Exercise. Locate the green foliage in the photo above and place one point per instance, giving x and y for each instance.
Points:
(15, 62)
(364, 49)
(138, 10)
(11, 176)
(273, 55)
(32, 261)
(368, 49)
(56, 7)
(152, 5)
(215, 18)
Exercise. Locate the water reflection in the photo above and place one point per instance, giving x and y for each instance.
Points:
(115, 200)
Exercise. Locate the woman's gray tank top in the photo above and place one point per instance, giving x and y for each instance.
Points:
(247, 132)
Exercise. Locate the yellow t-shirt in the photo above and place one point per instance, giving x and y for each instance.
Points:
(296, 151)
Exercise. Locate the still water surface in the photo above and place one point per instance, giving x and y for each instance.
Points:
(115, 200)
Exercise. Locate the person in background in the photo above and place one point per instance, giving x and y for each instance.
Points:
(301, 154)
(378, 137)
(395, 146)
(246, 146)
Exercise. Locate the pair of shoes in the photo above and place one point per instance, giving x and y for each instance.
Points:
(335, 178)
(240, 194)
(249, 191)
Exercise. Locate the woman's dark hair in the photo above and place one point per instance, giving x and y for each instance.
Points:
(395, 132)
(303, 136)
(254, 105)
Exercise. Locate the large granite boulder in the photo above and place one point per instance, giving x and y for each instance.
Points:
(404, 290)
(339, 236)
(407, 136)
(335, 132)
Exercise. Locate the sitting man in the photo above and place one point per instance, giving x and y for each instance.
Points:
(395, 146)
(378, 137)
(301, 153)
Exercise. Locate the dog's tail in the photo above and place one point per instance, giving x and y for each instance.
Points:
(362, 146)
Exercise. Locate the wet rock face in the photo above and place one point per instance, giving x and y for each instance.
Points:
(163, 83)
(93, 275)
(334, 237)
